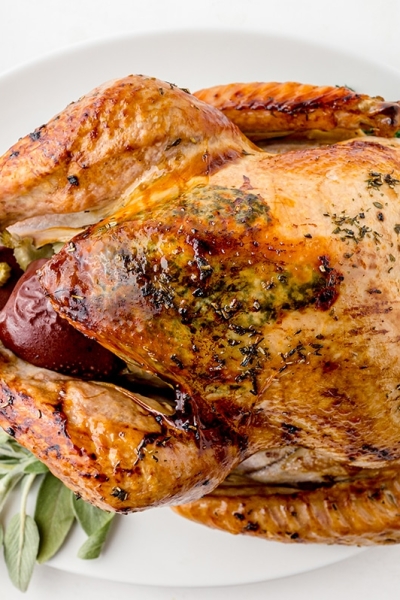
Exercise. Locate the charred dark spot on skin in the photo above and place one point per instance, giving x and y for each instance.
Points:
(251, 526)
(329, 366)
(54, 449)
(239, 516)
(381, 453)
(327, 295)
(60, 418)
(73, 180)
(296, 106)
(36, 135)
(289, 431)
(7, 398)
(292, 429)
(101, 478)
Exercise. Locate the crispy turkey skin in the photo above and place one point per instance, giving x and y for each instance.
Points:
(262, 288)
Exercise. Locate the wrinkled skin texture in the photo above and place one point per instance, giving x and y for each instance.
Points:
(264, 289)
(263, 110)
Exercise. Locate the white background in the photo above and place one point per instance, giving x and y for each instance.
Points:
(31, 28)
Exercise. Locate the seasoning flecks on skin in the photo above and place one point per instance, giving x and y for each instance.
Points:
(119, 493)
(193, 275)
(73, 180)
(376, 180)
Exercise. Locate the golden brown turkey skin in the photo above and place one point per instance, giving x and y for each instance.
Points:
(263, 110)
(264, 289)
(271, 293)
(114, 448)
(359, 511)
(122, 133)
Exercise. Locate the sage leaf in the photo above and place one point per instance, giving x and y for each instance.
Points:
(8, 483)
(4, 437)
(89, 517)
(93, 546)
(17, 449)
(21, 543)
(6, 467)
(1, 536)
(36, 467)
(54, 516)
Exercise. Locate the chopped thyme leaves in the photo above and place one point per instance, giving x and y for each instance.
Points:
(376, 180)
(174, 143)
(359, 231)
(176, 360)
(249, 352)
(391, 181)
(119, 493)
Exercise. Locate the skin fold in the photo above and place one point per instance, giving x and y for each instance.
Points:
(264, 110)
(263, 289)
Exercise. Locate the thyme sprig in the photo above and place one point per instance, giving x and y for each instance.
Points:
(26, 539)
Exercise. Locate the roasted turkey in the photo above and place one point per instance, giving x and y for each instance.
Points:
(255, 292)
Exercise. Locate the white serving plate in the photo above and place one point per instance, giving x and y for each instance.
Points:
(157, 547)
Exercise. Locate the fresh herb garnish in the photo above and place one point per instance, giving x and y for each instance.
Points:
(376, 180)
(26, 539)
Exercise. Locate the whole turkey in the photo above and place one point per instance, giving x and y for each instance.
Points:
(258, 286)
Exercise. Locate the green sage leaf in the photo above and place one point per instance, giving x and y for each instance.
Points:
(4, 437)
(21, 543)
(54, 516)
(36, 467)
(94, 544)
(18, 450)
(8, 483)
(89, 517)
(1, 536)
(6, 467)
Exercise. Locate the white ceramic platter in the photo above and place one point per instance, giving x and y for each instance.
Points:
(157, 547)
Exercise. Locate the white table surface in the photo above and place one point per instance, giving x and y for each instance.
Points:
(31, 28)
